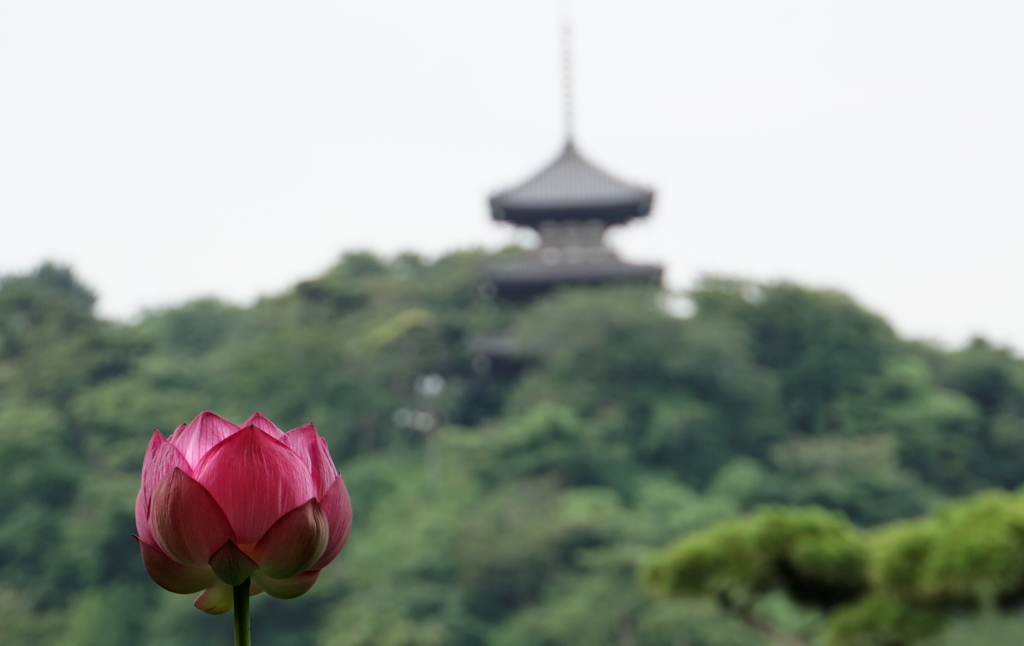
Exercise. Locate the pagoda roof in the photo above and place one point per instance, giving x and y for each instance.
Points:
(528, 277)
(571, 188)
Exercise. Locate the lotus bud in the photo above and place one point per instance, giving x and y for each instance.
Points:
(221, 504)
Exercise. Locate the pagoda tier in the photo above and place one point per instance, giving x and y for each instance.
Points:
(520, 281)
(571, 188)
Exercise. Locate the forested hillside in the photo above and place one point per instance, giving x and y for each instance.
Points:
(519, 504)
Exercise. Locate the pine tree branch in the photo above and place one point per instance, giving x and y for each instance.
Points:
(745, 613)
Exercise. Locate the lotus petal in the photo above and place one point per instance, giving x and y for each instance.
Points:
(161, 458)
(171, 575)
(188, 524)
(265, 425)
(170, 438)
(312, 448)
(217, 599)
(256, 480)
(202, 434)
(294, 542)
(232, 565)
(142, 517)
(338, 509)
(289, 588)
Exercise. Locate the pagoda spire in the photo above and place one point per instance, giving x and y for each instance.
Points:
(567, 90)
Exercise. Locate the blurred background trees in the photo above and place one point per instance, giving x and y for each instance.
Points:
(779, 460)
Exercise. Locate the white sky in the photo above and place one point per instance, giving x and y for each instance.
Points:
(173, 150)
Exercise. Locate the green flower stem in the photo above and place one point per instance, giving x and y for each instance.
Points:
(242, 637)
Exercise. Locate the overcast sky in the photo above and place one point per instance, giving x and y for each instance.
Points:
(232, 148)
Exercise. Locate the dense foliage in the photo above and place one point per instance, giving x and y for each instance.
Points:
(518, 504)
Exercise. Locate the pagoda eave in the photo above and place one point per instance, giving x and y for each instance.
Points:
(533, 215)
(523, 280)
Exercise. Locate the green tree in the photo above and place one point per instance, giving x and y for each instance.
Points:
(898, 584)
(822, 345)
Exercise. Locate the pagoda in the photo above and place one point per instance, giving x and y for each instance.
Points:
(571, 204)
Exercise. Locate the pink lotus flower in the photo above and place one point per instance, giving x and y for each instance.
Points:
(220, 504)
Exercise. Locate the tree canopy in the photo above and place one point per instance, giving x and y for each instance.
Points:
(618, 475)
